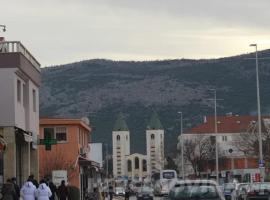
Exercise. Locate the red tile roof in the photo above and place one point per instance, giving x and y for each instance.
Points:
(225, 124)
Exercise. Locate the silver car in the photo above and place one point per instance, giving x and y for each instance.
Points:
(196, 190)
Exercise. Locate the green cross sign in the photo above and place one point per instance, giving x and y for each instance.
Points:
(48, 142)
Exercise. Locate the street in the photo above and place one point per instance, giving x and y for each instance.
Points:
(133, 198)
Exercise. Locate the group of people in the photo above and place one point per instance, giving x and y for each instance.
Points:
(31, 190)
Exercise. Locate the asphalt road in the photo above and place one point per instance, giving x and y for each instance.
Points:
(133, 198)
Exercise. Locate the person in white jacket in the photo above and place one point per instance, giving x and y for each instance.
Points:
(43, 192)
(28, 191)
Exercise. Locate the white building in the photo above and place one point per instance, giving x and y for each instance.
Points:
(230, 131)
(136, 166)
(19, 111)
(155, 145)
(121, 146)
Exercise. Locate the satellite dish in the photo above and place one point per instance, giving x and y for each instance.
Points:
(86, 120)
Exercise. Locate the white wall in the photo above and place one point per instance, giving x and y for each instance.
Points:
(124, 145)
(158, 142)
(95, 153)
(7, 109)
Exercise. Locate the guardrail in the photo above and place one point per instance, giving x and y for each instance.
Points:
(16, 46)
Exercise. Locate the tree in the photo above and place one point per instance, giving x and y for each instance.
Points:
(248, 142)
(198, 150)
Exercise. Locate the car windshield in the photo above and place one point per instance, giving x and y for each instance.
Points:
(260, 186)
(229, 186)
(184, 192)
(147, 190)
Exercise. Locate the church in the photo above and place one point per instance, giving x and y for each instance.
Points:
(137, 166)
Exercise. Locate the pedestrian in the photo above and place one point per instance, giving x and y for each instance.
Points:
(111, 192)
(53, 189)
(33, 180)
(127, 193)
(96, 195)
(28, 191)
(16, 187)
(62, 191)
(8, 191)
(43, 192)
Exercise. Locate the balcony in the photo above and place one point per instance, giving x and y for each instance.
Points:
(17, 47)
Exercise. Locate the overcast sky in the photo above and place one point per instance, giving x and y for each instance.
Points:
(64, 31)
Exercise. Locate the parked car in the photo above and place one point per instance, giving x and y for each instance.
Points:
(241, 191)
(228, 189)
(119, 191)
(258, 191)
(145, 193)
(195, 190)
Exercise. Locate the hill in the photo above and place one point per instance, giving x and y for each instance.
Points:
(100, 89)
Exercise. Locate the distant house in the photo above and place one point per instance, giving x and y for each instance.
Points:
(234, 162)
(72, 137)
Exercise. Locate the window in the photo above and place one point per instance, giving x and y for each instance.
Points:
(129, 164)
(34, 100)
(224, 138)
(152, 136)
(61, 134)
(24, 96)
(19, 92)
(137, 163)
(118, 137)
(49, 133)
(127, 138)
(144, 165)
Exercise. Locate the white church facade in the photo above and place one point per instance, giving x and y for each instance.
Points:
(137, 166)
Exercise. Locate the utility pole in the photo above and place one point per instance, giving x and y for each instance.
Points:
(107, 166)
(182, 146)
(261, 161)
(216, 131)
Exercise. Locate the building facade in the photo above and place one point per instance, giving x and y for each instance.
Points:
(232, 132)
(19, 112)
(69, 152)
(155, 145)
(136, 167)
(121, 146)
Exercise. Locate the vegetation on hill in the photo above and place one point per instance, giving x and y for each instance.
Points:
(101, 89)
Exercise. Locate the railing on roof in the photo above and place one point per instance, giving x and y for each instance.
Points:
(16, 46)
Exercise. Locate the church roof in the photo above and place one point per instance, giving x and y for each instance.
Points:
(120, 124)
(154, 123)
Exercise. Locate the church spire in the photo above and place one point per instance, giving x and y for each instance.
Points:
(154, 123)
(120, 124)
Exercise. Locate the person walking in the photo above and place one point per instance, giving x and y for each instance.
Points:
(127, 193)
(62, 191)
(28, 191)
(8, 191)
(43, 192)
(16, 187)
(111, 192)
(33, 180)
(52, 187)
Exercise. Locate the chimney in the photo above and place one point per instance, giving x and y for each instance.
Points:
(204, 119)
(2, 39)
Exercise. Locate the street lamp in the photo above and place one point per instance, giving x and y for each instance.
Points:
(216, 143)
(261, 162)
(182, 145)
(4, 27)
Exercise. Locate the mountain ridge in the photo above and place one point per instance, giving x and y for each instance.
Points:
(100, 89)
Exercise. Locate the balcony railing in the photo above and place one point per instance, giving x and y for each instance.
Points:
(16, 46)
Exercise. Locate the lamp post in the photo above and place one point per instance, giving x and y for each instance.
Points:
(4, 27)
(107, 166)
(216, 131)
(182, 145)
(261, 162)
